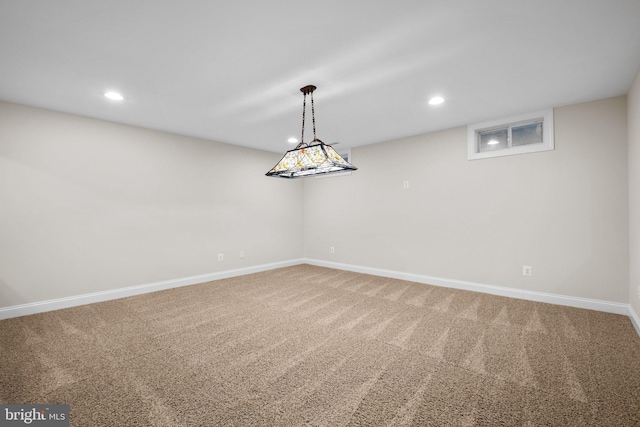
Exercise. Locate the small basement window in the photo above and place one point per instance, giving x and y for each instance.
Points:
(529, 133)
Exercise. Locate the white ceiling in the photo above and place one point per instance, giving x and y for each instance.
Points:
(230, 71)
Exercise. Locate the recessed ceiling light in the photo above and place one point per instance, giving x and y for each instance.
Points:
(114, 95)
(436, 100)
(292, 140)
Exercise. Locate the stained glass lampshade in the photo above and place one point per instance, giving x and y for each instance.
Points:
(309, 160)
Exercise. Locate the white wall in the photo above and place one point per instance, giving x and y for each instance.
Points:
(563, 212)
(88, 205)
(634, 194)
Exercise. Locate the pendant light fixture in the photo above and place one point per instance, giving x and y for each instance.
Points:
(316, 158)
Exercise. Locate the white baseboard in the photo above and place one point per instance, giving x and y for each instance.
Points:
(635, 319)
(72, 301)
(591, 304)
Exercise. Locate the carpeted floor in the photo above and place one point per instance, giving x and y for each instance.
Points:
(308, 345)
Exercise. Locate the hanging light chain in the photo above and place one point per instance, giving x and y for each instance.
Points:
(306, 91)
(304, 111)
(313, 117)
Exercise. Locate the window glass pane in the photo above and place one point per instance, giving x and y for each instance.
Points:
(495, 139)
(526, 134)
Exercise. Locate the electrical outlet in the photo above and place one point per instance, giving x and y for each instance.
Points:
(241, 254)
(405, 184)
(526, 270)
(220, 257)
(332, 250)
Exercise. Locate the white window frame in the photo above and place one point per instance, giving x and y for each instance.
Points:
(547, 143)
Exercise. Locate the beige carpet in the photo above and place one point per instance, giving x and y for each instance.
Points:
(313, 346)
